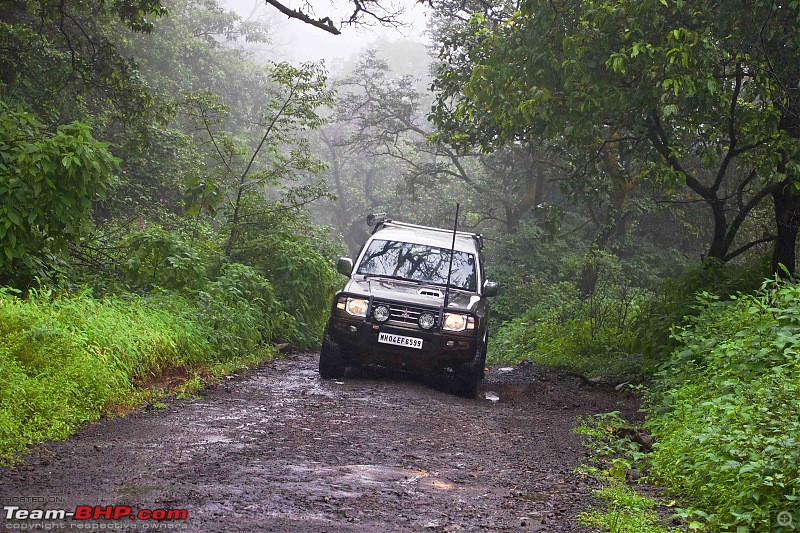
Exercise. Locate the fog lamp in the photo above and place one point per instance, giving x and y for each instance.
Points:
(427, 321)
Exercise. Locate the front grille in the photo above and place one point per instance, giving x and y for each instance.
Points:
(407, 314)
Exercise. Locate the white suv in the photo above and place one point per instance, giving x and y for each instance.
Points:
(398, 310)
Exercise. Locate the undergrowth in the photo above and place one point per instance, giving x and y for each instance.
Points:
(613, 458)
(66, 360)
(724, 412)
(589, 334)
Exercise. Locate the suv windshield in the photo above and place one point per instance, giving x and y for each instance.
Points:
(418, 262)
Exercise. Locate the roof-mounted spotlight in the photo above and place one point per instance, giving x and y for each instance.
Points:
(373, 219)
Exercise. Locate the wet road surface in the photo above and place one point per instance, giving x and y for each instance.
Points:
(279, 449)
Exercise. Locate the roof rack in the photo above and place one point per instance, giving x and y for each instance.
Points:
(379, 220)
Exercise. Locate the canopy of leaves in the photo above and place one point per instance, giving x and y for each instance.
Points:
(47, 185)
(702, 93)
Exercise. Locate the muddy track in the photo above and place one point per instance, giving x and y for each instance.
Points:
(281, 450)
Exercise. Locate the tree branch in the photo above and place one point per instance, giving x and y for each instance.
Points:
(325, 24)
(747, 246)
(658, 138)
(732, 140)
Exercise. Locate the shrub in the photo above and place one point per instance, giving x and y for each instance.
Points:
(724, 409)
(158, 258)
(529, 262)
(241, 311)
(590, 335)
(48, 181)
(675, 301)
(64, 359)
(579, 343)
(304, 281)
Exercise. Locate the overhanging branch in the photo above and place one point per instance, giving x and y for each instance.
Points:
(743, 249)
(323, 23)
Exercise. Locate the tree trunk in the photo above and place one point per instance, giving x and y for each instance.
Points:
(588, 279)
(612, 225)
(719, 242)
(516, 209)
(787, 221)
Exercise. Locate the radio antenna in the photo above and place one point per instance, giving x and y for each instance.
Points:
(452, 253)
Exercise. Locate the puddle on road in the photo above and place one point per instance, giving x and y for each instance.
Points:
(512, 392)
(211, 439)
(351, 481)
(300, 385)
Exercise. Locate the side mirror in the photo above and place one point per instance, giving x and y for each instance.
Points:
(344, 266)
(490, 288)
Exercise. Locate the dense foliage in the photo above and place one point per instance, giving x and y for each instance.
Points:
(724, 410)
(67, 360)
(154, 188)
(692, 97)
(47, 185)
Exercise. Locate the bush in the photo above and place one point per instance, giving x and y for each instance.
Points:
(63, 360)
(530, 262)
(304, 281)
(581, 342)
(675, 302)
(158, 258)
(724, 409)
(48, 181)
(590, 335)
(241, 311)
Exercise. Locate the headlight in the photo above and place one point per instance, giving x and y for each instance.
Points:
(427, 321)
(354, 306)
(456, 322)
(380, 313)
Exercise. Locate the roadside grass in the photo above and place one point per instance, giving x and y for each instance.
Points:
(614, 459)
(722, 403)
(591, 337)
(574, 345)
(69, 359)
(627, 511)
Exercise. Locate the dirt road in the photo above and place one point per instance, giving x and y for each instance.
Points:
(281, 450)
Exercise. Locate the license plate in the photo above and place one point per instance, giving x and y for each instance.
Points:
(399, 340)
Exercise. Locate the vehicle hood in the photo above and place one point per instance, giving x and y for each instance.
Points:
(409, 292)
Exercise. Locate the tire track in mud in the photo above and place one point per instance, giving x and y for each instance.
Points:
(279, 449)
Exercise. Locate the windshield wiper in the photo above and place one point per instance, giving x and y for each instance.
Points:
(389, 276)
(452, 287)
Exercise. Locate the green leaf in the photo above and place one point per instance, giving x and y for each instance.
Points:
(13, 217)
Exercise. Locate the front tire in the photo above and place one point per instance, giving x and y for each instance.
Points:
(485, 347)
(468, 377)
(331, 364)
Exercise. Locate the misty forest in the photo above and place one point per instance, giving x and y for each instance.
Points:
(173, 195)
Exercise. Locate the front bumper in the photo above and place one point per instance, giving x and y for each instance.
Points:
(440, 352)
